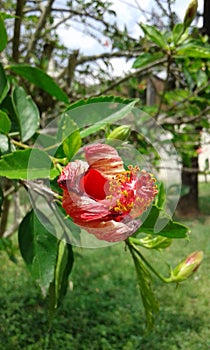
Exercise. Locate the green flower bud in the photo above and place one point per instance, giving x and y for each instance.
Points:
(120, 133)
(187, 267)
(190, 13)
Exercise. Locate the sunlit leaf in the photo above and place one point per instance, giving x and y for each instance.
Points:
(27, 113)
(28, 164)
(160, 223)
(69, 135)
(193, 50)
(145, 58)
(153, 34)
(3, 34)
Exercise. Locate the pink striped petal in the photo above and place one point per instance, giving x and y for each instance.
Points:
(104, 158)
(71, 175)
(112, 231)
(82, 208)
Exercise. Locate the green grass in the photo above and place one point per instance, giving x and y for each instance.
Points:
(103, 311)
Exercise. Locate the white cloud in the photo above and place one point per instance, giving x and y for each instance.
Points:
(120, 66)
(76, 39)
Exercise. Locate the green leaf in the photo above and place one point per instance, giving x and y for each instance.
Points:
(64, 264)
(29, 164)
(98, 112)
(5, 123)
(27, 113)
(160, 198)
(179, 33)
(122, 113)
(159, 223)
(201, 78)
(5, 15)
(3, 34)
(72, 144)
(69, 135)
(1, 199)
(5, 145)
(38, 247)
(145, 58)
(101, 99)
(6, 244)
(40, 79)
(4, 84)
(154, 35)
(193, 50)
(152, 242)
(144, 282)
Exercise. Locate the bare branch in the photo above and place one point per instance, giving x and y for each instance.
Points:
(187, 120)
(41, 23)
(165, 85)
(128, 54)
(162, 8)
(137, 72)
(16, 36)
(86, 14)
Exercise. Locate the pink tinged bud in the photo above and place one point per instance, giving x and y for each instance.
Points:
(187, 267)
(104, 198)
(190, 13)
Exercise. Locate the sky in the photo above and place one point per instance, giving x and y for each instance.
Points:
(128, 12)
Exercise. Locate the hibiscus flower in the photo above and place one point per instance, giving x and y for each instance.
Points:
(103, 197)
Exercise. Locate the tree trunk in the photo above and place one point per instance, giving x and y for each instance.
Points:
(189, 202)
(206, 16)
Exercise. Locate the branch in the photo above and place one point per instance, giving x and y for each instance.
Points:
(40, 25)
(170, 14)
(137, 72)
(165, 85)
(127, 54)
(85, 14)
(16, 35)
(41, 189)
(104, 55)
(187, 120)
(162, 8)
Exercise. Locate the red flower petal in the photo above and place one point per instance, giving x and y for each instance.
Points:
(104, 198)
(94, 184)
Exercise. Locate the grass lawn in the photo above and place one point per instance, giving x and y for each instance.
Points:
(103, 310)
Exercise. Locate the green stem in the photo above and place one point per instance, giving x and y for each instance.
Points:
(52, 146)
(133, 247)
(19, 144)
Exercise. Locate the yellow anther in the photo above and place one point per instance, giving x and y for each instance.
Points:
(125, 193)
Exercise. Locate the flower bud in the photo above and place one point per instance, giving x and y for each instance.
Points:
(187, 267)
(190, 13)
(120, 133)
